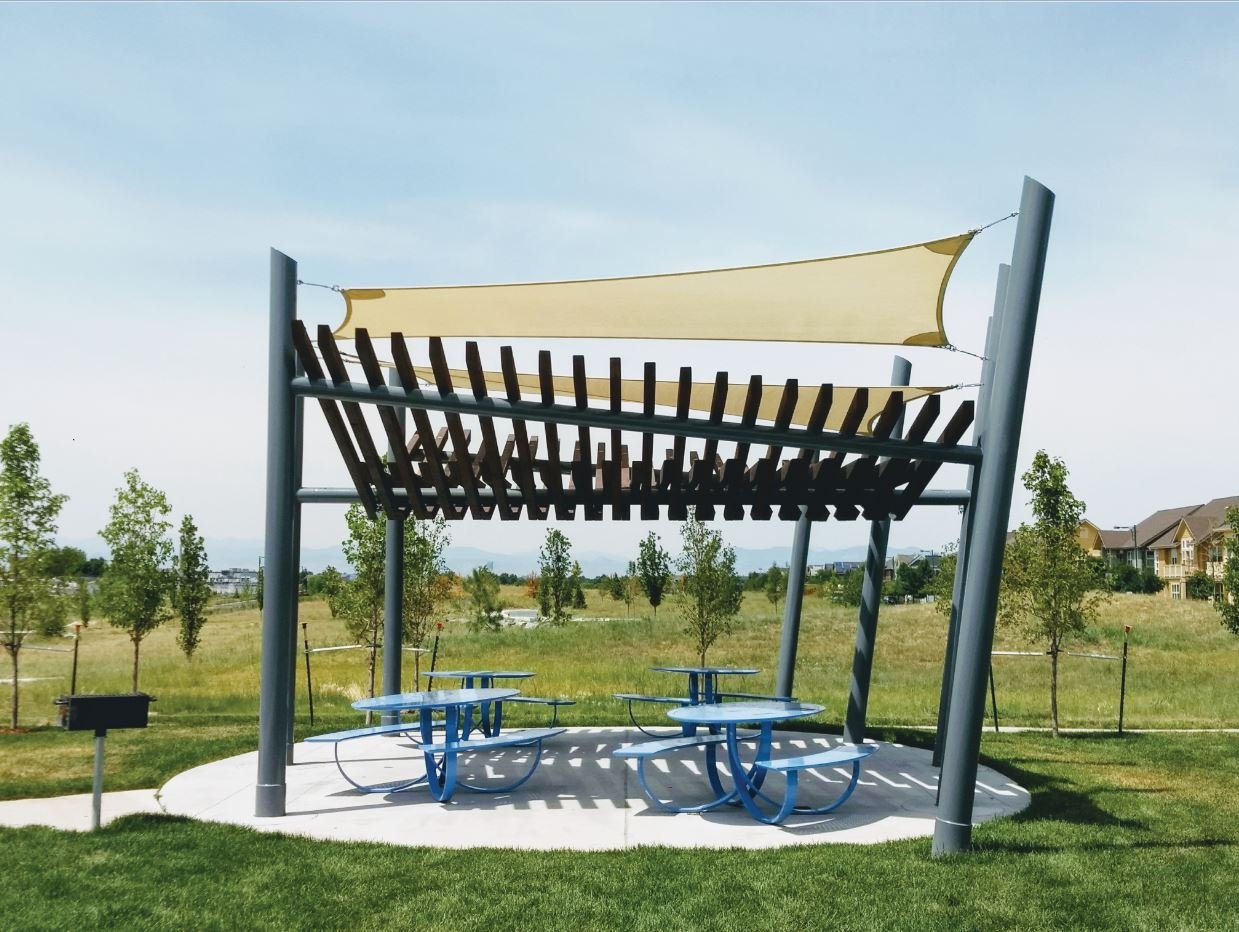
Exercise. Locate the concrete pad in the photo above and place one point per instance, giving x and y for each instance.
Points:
(72, 813)
(581, 798)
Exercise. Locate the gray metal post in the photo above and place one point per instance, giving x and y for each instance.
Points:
(298, 434)
(96, 799)
(992, 504)
(393, 593)
(965, 524)
(870, 599)
(278, 592)
(785, 669)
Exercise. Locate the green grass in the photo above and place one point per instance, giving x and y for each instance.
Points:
(1133, 833)
(1182, 674)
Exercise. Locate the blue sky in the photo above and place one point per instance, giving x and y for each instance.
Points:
(152, 153)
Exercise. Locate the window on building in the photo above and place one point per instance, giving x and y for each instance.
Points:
(1215, 553)
(1174, 558)
(1176, 591)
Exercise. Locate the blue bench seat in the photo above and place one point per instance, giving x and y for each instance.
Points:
(553, 703)
(647, 750)
(630, 698)
(336, 738)
(510, 739)
(791, 766)
(755, 696)
(442, 773)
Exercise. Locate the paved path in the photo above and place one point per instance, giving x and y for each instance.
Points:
(581, 798)
(72, 813)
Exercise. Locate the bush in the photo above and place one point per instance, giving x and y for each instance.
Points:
(1200, 586)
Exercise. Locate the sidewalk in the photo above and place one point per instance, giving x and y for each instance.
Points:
(72, 813)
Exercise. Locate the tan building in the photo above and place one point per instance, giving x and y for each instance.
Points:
(1132, 544)
(1195, 544)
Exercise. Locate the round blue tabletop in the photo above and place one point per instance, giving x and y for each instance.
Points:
(709, 671)
(733, 713)
(433, 699)
(494, 674)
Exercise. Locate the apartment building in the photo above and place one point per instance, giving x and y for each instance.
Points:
(1196, 544)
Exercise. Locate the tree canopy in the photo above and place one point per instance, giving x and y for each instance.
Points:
(1050, 586)
(653, 570)
(556, 587)
(193, 587)
(28, 512)
(135, 592)
(710, 591)
(1228, 605)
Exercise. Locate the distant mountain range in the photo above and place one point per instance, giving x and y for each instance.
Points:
(461, 559)
(232, 552)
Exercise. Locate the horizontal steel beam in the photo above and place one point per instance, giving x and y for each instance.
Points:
(346, 496)
(797, 437)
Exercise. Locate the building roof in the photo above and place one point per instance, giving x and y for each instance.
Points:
(1155, 526)
(1115, 540)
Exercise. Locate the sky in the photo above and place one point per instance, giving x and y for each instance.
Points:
(151, 154)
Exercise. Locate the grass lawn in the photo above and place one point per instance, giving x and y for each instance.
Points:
(1132, 833)
(1183, 667)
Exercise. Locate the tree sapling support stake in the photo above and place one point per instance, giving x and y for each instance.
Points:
(309, 688)
(993, 699)
(1123, 677)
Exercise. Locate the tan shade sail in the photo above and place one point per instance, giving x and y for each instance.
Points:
(666, 394)
(893, 296)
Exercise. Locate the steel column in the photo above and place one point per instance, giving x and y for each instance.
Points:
(785, 669)
(992, 505)
(277, 603)
(393, 591)
(295, 554)
(871, 598)
(965, 524)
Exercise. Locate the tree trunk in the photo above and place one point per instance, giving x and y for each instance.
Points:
(13, 717)
(137, 644)
(1054, 688)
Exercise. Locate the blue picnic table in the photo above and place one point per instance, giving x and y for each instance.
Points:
(441, 756)
(490, 717)
(723, 721)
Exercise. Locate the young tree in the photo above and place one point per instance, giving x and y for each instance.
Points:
(632, 587)
(574, 584)
(28, 512)
(192, 587)
(1228, 605)
(710, 592)
(614, 586)
(360, 600)
(84, 600)
(95, 567)
(260, 587)
(654, 569)
(483, 588)
(852, 586)
(555, 577)
(942, 585)
(64, 562)
(1049, 584)
(426, 581)
(326, 583)
(775, 585)
(134, 593)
